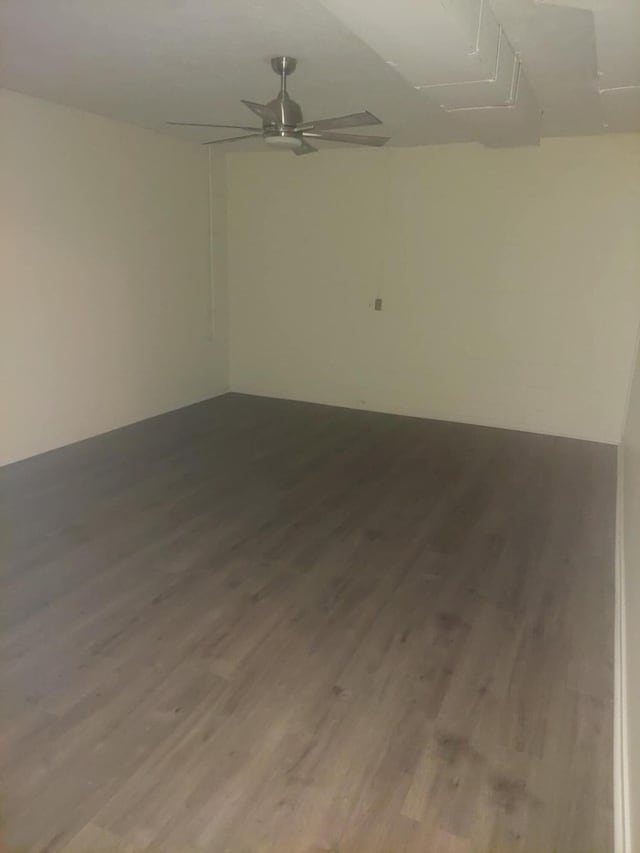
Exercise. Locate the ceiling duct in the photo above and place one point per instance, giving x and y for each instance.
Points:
(457, 55)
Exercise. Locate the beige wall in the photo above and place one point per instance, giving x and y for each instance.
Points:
(105, 285)
(631, 599)
(509, 279)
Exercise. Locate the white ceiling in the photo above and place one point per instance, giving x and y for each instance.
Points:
(502, 72)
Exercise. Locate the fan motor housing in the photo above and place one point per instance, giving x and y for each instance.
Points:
(285, 111)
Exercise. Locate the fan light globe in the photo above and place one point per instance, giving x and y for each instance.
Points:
(287, 143)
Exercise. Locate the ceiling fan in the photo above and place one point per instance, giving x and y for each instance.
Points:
(283, 125)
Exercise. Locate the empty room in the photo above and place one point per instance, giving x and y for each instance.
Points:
(320, 426)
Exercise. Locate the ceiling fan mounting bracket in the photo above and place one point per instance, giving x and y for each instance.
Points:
(284, 65)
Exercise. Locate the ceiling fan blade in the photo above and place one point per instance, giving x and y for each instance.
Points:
(305, 148)
(233, 138)
(197, 124)
(353, 120)
(355, 139)
(260, 110)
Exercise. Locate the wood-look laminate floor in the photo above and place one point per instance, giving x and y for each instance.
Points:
(257, 625)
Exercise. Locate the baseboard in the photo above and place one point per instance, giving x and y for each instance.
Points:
(622, 825)
(410, 412)
(15, 459)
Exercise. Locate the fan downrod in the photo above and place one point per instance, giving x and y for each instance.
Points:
(284, 65)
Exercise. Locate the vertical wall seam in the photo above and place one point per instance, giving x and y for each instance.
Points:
(211, 302)
(622, 825)
(632, 370)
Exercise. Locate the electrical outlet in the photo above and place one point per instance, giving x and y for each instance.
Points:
(377, 305)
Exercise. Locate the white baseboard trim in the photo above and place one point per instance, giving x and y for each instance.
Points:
(411, 412)
(22, 457)
(622, 823)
